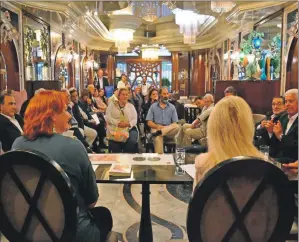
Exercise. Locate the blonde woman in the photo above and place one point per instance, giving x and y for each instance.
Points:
(230, 133)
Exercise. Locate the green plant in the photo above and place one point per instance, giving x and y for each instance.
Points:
(28, 42)
(165, 82)
(251, 69)
(246, 45)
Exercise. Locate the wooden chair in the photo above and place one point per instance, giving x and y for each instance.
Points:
(191, 114)
(37, 200)
(241, 199)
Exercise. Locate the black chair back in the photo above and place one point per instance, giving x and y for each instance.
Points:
(37, 200)
(191, 114)
(241, 199)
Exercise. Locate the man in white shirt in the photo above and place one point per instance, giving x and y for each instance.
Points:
(11, 124)
(284, 140)
(100, 81)
(198, 129)
(145, 87)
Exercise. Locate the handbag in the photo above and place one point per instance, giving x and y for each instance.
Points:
(116, 133)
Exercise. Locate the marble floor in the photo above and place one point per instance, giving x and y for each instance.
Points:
(124, 201)
(168, 207)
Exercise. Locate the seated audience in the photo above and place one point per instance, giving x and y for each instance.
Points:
(25, 104)
(87, 107)
(74, 126)
(123, 83)
(46, 119)
(138, 100)
(284, 133)
(121, 118)
(178, 106)
(230, 91)
(199, 102)
(278, 108)
(230, 131)
(198, 129)
(99, 101)
(113, 98)
(82, 118)
(162, 118)
(153, 96)
(11, 124)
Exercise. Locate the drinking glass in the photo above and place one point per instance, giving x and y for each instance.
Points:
(265, 150)
(180, 155)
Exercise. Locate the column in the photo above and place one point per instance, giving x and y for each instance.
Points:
(175, 71)
(111, 68)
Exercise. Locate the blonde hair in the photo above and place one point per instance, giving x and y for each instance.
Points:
(230, 131)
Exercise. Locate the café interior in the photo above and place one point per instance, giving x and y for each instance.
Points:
(189, 52)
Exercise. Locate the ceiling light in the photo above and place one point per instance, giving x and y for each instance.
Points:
(150, 52)
(222, 7)
(189, 22)
(122, 38)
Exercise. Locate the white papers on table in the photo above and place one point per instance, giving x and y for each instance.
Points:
(96, 118)
(190, 169)
(102, 159)
(94, 167)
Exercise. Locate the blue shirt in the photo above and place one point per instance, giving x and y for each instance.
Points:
(163, 116)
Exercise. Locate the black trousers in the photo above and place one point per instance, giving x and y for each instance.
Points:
(101, 216)
(130, 146)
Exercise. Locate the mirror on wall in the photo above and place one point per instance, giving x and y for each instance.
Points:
(36, 47)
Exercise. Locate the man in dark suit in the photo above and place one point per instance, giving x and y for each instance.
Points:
(11, 124)
(100, 82)
(278, 108)
(284, 138)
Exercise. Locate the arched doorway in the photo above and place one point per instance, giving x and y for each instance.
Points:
(9, 63)
(292, 66)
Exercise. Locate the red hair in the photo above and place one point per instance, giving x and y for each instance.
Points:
(40, 112)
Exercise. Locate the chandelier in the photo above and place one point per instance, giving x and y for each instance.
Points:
(122, 38)
(150, 52)
(147, 10)
(189, 22)
(222, 7)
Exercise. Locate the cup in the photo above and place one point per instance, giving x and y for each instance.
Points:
(265, 150)
(180, 155)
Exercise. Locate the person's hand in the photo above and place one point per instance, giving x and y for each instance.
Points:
(263, 123)
(277, 130)
(92, 121)
(293, 165)
(269, 125)
(159, 127)
(88, 101)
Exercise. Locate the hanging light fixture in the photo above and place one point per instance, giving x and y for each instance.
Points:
(150, 52)
(122, 27)
(222, 7)
(122, 38)
(189, 23)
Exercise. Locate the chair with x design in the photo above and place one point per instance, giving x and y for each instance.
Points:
(241, 200)
(37, 200)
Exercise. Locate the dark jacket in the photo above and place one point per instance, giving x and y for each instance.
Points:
(179, 109)
(263, 133)
(78, 116)
(96, 82)
(9, 132)
(287, 147)
(86, 108)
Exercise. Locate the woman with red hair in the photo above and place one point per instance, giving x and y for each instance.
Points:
(46, 118)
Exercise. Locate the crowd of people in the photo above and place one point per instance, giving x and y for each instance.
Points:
(74, 124)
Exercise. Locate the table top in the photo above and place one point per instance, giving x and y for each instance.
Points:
(158, 174)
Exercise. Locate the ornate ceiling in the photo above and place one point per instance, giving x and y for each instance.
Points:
(152, 18)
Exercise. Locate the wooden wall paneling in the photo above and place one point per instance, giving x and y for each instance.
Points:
(111, 68)
(175, 71)
(198, 77)
(71, 73)
(292, 66)
(8, 51)
(258, 94)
